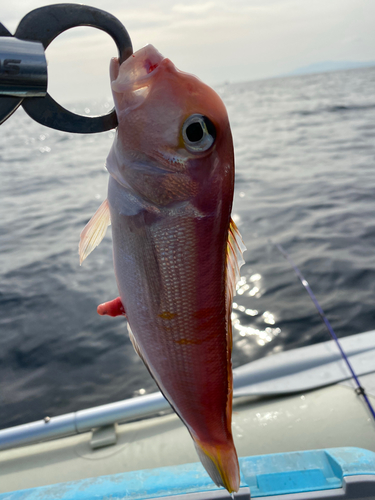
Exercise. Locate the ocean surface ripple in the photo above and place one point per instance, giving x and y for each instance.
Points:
(305, 178)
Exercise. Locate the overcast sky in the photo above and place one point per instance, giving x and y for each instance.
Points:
(218, 40)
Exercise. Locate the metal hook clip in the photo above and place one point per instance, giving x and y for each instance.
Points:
(44, 25)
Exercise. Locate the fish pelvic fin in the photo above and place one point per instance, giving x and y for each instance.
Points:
(221, 464)
(94, 231)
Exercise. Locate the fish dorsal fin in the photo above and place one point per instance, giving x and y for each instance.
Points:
(235, 250)
(94, 231)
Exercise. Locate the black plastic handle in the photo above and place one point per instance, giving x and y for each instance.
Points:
(44, 25)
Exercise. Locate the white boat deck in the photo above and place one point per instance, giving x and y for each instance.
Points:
(293, 401)
(325, 418)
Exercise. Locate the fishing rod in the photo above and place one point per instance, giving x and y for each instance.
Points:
(359, 389)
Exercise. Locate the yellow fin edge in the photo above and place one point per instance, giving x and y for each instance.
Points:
(221, 464)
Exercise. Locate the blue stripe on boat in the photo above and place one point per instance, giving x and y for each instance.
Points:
(275, 474)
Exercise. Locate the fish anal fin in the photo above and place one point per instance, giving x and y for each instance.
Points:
(137, 348)
(112, 308)
(94, 231)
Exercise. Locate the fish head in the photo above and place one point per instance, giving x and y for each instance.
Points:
(172, 128)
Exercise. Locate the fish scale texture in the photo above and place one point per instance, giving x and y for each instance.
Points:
(185, 356)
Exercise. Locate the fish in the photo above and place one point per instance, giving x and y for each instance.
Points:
(176, 251)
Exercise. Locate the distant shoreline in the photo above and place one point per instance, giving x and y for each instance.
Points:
(329, 66)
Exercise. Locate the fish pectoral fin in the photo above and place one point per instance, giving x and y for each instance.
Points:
(112, 308)
(94, 231)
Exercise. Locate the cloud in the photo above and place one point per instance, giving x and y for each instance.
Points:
(197, 8)
(218, 40)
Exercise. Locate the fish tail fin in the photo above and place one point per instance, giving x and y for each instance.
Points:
(221, 463)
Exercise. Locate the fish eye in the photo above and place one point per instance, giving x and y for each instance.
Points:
(199, 133)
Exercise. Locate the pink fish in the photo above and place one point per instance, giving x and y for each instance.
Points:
(176, 251)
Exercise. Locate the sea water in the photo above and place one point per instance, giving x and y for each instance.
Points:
(305, 178)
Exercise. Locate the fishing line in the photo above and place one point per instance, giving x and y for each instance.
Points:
(359, 389)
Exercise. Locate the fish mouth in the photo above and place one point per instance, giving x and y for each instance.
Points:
(135, 71)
